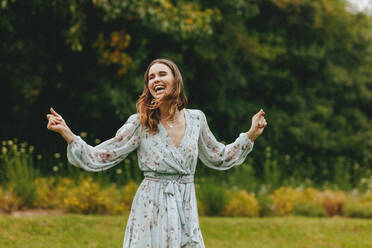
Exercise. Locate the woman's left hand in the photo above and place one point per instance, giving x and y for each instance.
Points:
(258, 125)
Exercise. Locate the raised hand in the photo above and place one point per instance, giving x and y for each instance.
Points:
(57, 124)
(258, 125)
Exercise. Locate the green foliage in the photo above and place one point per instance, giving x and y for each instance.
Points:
(306, 63)
(358, 209)
(309, 209)
(17, 168)
(212, 196)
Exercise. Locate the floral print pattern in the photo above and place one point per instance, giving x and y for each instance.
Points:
(164, 211)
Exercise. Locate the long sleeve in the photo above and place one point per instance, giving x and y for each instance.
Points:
(217, 155)
(110, 152)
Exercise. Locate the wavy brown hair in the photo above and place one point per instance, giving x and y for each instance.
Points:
(149, 108)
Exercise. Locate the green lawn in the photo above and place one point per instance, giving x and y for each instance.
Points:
(107, 231)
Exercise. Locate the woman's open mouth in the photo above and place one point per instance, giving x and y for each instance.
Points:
(159, 89)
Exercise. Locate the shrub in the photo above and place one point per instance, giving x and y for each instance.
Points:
(367, 198)
(19, 172)
(357, 209)
(9, 201)
(129, 192)
(201, 208)
(126, 197)
(309, 195)
(213, 197)
(284, 200)
(309, 209)
(266, 205)
(45, 193)
(89, 198)
(332, 201)
(241, 204)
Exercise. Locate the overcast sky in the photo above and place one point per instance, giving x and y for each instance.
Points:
(361, 4)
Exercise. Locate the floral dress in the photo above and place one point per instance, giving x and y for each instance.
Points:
(164, 211)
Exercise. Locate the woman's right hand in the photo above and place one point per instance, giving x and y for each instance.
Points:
(57, 124)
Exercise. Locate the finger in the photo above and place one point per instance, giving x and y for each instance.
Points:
(54, 112)
(261, 113)
(49, 116)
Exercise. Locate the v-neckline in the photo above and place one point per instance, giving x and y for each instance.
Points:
(184, 135)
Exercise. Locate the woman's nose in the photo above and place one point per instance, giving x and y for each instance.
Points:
(156, 79)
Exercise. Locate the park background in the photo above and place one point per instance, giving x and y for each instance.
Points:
(307, 63)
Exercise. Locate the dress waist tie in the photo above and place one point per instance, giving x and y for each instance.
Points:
(170, 190)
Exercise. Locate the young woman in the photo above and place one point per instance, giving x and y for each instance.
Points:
(169, 139)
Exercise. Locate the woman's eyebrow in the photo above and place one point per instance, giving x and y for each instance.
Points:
(151, 74)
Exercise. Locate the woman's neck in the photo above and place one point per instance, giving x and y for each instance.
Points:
(164, 111)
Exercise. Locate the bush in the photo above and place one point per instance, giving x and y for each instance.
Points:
(89, 198)
(127, 195)
(9, 201)
(367, 198)
(18, 171)
(266, 205)
(46, 193)
(284, 200)
(357, 209)
(332, 201)
(240, 203)
(309, 209)
(213, 198)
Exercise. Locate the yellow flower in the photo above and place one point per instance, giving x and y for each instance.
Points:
(4, 150)
(39, 156)
(57, 155)
(83, 134)
(55, 168)
(97, 141)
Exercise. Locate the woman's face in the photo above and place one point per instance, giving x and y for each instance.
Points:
(161, 80)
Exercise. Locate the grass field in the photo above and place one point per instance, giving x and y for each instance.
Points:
(107, 231)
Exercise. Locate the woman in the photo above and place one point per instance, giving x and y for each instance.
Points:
(169, 138)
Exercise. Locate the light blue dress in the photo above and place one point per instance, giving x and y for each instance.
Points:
(164, 211)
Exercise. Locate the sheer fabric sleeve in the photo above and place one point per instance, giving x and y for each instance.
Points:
(110, 152)
(217, 155)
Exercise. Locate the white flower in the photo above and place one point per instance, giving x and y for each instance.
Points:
(57, 155)
(55, 168)
(119, 171)
(10, 142)
(39, 156)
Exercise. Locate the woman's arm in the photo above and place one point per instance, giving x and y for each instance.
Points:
(222, 157)
(105, 155)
